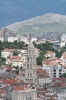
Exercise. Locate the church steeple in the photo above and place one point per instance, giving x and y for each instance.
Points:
(30, 71)
(30, 44)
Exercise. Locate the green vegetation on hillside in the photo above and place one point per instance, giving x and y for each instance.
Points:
(9, 45)
(14, 45)
(47, 47)
(21, 45)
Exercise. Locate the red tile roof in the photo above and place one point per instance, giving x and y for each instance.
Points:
(59, 85)
(9, 68)
(42, 73)
(50, 52)
(38, 96)
(19, 88)
(8, 50)
(15, 58)
(61, 79)
(1, 96)
(51, 61)
(10, 81)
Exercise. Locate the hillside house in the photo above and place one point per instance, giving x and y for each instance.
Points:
(50, 54)
(43, 79)
(7, 52)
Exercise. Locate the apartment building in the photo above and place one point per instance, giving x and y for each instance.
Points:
(53, 68)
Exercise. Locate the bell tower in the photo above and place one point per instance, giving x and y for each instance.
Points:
(30, 70)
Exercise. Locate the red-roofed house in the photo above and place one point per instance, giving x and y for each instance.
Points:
(7, 52)
(50, 54)
(43, 79)
(22, 93)
(2, 95)
(16, 61)
(11, 81)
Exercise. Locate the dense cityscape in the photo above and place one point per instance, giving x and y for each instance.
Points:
(31, 67)
(32, 49)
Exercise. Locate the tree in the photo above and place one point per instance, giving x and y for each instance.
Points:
(15, 53)
(64, 75)
(15, 42)
(57, 54)
(1, 62)
(3, 59)
(39, 60)
(17, 67)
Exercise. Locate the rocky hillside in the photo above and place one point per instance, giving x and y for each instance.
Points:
(40, 24)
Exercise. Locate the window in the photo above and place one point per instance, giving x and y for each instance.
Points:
(30, 58)
(34, 70)
(43, 85)
(51, 70)
(30, 67)
(54, 75)
(29, 51)
(28, 98)
(60, 70)
(27, 59)
(54, 70)
(30, 74)
(27, 66)
(32, 51)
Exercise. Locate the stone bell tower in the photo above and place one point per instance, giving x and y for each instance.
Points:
(30, 71)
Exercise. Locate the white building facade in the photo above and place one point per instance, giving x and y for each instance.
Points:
(54, 71)
(12, 39)
(7, 52)
(26, 94)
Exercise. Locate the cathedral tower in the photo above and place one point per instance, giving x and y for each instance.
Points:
(30, 71)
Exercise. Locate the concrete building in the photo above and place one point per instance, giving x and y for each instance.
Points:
(12, 39)
(53, 68)
(21, 93)
(62, 44)
(59, 88)
(1, 39)
(51, 36)
(24, 39)
(63, 38)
